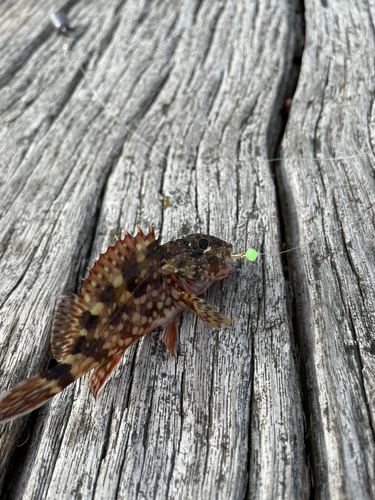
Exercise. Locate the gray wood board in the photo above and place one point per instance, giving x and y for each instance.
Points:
(333, 279)
(192, 93)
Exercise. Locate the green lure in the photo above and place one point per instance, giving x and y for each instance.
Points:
(250, 254)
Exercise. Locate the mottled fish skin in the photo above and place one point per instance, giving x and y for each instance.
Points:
(136, 286)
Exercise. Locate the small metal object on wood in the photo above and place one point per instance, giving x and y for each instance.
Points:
(60, 21)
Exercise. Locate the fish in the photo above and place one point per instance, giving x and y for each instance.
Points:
(136, 286)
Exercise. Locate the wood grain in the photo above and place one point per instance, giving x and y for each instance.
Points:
(333, 279)
(148, 100)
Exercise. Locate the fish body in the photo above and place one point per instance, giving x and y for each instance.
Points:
(136, 286)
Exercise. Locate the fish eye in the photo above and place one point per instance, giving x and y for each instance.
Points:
(202, 245)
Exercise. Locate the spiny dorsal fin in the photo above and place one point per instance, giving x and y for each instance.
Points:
(109, 268)
(106, 275)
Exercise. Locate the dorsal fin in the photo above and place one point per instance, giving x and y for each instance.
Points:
(108, 270)
(107, 274)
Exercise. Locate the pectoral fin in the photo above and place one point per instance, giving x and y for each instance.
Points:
(204, 310)
(102, 373)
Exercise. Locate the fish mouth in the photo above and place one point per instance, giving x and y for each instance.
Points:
(227, 269)
(197, 287)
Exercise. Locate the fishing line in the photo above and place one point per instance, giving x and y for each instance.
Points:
(251, 254)
(127, 128)
(105, 106)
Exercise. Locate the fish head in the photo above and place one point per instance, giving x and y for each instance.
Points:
(196, 261)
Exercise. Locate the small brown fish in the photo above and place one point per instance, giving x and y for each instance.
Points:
(136, 286)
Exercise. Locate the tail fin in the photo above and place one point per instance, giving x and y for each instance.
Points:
(34, 392)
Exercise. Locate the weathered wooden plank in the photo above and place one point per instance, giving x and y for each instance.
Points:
(333, 279)
(200, 85)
